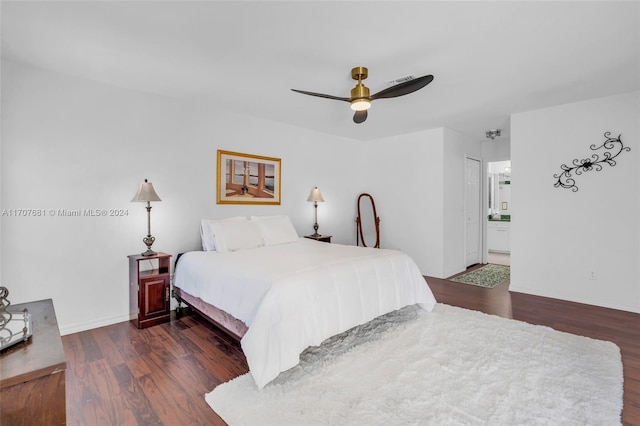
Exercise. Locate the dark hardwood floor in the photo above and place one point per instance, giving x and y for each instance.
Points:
(119, 375)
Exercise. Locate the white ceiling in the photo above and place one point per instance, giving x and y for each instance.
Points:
(489, 59)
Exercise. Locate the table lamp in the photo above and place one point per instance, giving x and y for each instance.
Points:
(146, 193)
(316, 197)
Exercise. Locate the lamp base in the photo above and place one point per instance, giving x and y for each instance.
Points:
(149, 252)
(148, 241)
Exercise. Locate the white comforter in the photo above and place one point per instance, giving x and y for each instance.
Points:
(296, 295)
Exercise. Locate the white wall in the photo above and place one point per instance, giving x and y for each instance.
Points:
(497, 149)
(418, 186)
(559, 237)
(74, 144)
(408, 191)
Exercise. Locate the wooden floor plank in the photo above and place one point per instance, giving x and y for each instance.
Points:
(111, 350)
(73, 349)
(135, 396)
(101, 397)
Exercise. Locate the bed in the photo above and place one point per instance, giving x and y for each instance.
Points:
(279, 293)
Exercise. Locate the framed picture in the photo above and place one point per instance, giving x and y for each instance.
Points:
(247, 179)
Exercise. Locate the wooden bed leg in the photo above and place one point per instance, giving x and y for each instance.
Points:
(179, 299)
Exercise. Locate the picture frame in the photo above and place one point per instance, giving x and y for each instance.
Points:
(248, 178)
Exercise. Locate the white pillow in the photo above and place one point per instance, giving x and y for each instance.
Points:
(207, 235)
(232, 235)
(276, 229)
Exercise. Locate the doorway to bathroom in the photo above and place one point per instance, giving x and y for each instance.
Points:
(499, 212)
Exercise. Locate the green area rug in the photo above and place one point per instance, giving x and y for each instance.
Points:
(487, 276)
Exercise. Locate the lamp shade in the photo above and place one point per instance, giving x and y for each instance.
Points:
(315, 195)
(146, 193)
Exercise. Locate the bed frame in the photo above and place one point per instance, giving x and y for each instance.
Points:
(224, 320)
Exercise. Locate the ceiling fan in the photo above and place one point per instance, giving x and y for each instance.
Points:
(360, 99)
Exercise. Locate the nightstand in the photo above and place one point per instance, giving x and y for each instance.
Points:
(149, 289)
(323, 238)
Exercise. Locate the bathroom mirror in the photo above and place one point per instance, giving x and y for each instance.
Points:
(367, 222)
(499, 190)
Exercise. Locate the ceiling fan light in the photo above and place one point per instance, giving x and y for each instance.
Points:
(360, 104)
(360, 97)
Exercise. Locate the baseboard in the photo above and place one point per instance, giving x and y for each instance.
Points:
(515, 289)
(78, 327)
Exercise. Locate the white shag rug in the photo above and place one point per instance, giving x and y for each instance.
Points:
(452, 366)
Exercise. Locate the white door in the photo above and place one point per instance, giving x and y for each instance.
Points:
(472, 211)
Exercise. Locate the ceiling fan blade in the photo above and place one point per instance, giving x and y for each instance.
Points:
(360, 116)
(403, 88)
(321, 95)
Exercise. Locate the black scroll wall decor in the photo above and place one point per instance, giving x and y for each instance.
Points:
(612, 147)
